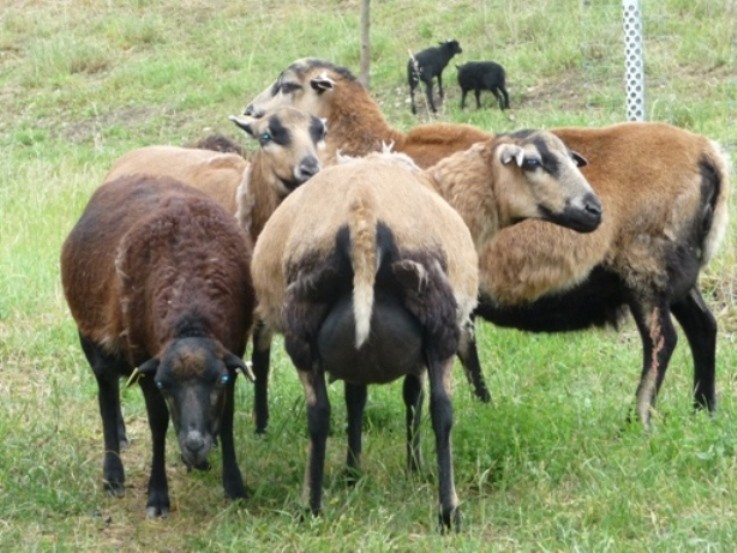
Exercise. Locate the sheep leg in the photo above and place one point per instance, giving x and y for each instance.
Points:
(440, 85)
(428, 93)
(700, 328)
(469, 356)
(463, 98)
(658, 340)
(477, 93)
(106, 371)
(441, 413)
(260, 361)
(232, 479)
(412, 392)
(318, 424)
(506, 97)
(158, 421)
(498, 98)
(412, 98)
(355, 402)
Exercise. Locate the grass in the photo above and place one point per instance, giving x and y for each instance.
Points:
(549, 466)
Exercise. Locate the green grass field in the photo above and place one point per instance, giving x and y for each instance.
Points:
(550, 465)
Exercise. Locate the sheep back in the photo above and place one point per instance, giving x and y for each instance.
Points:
(150, 258)
(649, 210)
(306, 224)
(216, 174)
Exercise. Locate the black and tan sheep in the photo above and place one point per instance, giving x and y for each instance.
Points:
(156, 275)
(371, 275)
(665, 192)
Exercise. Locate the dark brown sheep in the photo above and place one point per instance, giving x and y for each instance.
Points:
(157, 276)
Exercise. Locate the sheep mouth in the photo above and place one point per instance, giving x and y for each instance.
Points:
(580, 220)
(195, 449)
(292, 184)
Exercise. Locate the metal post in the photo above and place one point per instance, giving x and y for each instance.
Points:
(634, 64)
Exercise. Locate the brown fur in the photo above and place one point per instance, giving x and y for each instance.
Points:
(132, 277)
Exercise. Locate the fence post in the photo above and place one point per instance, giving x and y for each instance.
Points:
(634, 65)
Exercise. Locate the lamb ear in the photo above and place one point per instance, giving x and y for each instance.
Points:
(235, 363)
(510, 152)
(322, 83)
(579, 159)
(244, 123)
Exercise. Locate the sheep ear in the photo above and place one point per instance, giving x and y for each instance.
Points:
(149, 367)
(322, 83)
(579, 160)
(235, 363)
(244, 123)
(511, 152)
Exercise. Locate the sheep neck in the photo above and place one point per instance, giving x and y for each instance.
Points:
(356, 125)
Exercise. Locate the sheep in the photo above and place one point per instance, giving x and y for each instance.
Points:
(483, 75)
(291, 142)
(156, 276)
(638, 169)
(428, 64)
(367, 294)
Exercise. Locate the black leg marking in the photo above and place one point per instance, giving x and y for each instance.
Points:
(355, 402)
(700, 328)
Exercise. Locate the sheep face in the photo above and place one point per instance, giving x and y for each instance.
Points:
(543, 181)
(307, 84)
(193, 375)
(293, 142)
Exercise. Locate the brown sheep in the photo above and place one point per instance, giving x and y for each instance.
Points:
(638, 169)
(156, 275)
(367, 294)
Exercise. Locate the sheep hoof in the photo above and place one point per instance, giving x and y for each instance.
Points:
(450, 520)
(153, 511)
(114, 489)
(351, 475)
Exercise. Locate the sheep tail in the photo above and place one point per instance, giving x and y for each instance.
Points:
(716, 217)
(362, 226)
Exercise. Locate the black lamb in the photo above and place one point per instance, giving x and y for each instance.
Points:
(426, 65)
(483, 75)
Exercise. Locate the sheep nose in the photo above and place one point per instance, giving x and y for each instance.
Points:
(593, 206)
(194, 442)
(309, 167)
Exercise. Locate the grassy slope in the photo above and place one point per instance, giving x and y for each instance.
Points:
(547, 467)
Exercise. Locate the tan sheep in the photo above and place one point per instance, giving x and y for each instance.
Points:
(371, 276)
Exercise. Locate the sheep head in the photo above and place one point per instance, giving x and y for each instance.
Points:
(307, 84)
(537, 176)
(195, 375)
(292, 143)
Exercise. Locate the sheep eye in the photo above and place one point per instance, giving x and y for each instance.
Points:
(531, 164)
(265, 137)
(286, 88)
(159, 384)
(224, 379)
